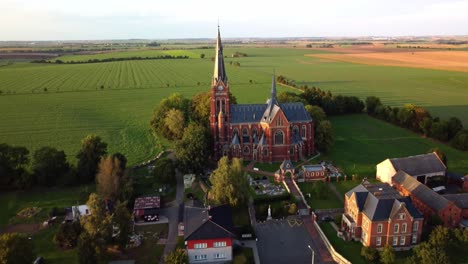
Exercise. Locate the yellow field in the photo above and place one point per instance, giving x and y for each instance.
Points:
(440, 60)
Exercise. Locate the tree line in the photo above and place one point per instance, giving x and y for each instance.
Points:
(419, 120)
(48, 166)
(162, 57)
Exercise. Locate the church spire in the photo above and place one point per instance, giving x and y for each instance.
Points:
(219, 69)
(273, 90)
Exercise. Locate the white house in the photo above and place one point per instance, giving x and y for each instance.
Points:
(79, 211)
(421, 167)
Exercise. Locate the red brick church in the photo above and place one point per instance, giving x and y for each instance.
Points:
(267, 132)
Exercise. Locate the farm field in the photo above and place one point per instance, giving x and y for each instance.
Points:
(57, 105)
(439, 60)
(362, 141)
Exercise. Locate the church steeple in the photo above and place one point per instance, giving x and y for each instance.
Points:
(219, 69)
(273, 99)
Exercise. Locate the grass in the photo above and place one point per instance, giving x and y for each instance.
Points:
(331, 201)
(361, 142)
(75, 105)
(150, 251)
(351, 250)
(45, 199)
(243, 256)
(45, 247)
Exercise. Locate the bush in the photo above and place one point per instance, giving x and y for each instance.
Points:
(67, 235)
(370, 254)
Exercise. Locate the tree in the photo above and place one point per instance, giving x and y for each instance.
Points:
(15, 248)
(229, 183)
(49, 165)
(387, 255)
(324, 136)
(454, 126)
(316, 112)
(425, 253)
(201, 107)
(371, 104)
(292, 209)
(439, 130)
(98, 225)
(193, 149)
(460, 141)
(122, 220)
(425, 126)
(174, 101)
(164, 171)
(406, 115)
(67, 235)
(370, 254)
(109, 178)
(175, 122)
(87, 253)
(202, 56)
(89, 156)
(12, 164)
(178, 256)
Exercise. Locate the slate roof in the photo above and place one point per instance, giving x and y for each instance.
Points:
(381, 201)
(201, 223)
(460, 199)
(432, 199)
(235, 140)
(419, 164)
(296, 139)
(247, 113)
(287, 164)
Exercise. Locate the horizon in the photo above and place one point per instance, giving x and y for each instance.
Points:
(184, 19)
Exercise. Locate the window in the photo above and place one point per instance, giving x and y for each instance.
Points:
(254, 132)
(304, 131)
(414, 239)
(415, 226)
(395, 241)
(378, 241)
(364, 236)
(204, 256)
(402, 241)
(219, 244)
(235, 132)
(401, 216)
(366, 224)
(279, 122)
(379, 228)
(396, 228)
(403, 228)
(279, 137)
(200, 245)
(295, 130)
(246, 150)
(245, 132)
(219, 255)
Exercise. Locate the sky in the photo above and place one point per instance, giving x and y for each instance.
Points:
(169, 19)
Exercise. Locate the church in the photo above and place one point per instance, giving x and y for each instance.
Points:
(269, 132)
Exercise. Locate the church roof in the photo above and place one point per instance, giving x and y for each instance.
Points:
(219, 68)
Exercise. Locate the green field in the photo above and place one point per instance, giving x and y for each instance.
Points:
(115, 100)
(133, 53)
(361, 142)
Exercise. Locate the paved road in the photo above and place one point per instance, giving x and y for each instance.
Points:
(174, 213)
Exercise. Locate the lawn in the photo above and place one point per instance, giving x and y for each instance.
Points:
(351, 250)
(75, 105)
(45, 247)
(45, 199)
(331, 201)
(150, 251)
(361, 142)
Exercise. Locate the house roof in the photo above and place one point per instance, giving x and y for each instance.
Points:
(460, 199)
(420, 191)
(286, 165)
(147, 202)
(419, 164)
(202, 223)
(317, 167)
(380, 201)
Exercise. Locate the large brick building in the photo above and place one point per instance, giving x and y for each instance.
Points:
(263, 132)
(427, 201)
(377, 215)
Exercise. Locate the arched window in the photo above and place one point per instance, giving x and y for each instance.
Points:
(265, 152)
(245, 132)
(295, 130)
(279, 137)
(235, 132)
(246, 150)
(304, 131)
(254, 131)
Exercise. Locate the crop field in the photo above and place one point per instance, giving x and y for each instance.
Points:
(440, 60)
(57, 105)
(361, 142)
